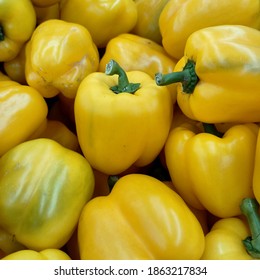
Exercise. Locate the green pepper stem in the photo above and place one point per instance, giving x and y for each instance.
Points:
(2, 36)
(111, 181)
(187, 77)
(170, 78)
(113, 68)
(211, 128)
(250, 208)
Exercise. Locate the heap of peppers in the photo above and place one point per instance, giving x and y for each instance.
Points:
(129, 130)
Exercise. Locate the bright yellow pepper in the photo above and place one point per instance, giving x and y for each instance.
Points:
(17, 23)
(104, 20)
(180, 18)
(122, 118)
(43, 188)
(47, 254)
(141, 218)
(224, 241)
(58, 56)
(218, 76)
(22, 112)
(147, 24)
(212, 171)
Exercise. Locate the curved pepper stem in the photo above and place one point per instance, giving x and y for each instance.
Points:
(2, 36)
(187, 77)
(250, 208)
(211, 128)
(112, 68)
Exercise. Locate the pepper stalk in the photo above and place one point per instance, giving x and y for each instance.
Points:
(211, 128)
(250, 208)
(112, 68)
(187, 77)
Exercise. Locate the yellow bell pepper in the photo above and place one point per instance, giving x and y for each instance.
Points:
(43, 188)
(17, 23)
(147, 24)
(180, 18)
(58, 56)
(15, 68)
(141, 218)
(218, 76)
(47, 254)
(212, 171)
(224, 241)
(104, 21)
(22, 112)
(122, 118)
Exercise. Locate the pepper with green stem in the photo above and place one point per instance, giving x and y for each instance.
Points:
(122, 118)
(218, 76)
(250, 208)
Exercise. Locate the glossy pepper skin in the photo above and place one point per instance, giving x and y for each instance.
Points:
(219, 75)
(17, 105)
(116, 128)
(141, 218)
(58, 56)
(147, 24)
(224, 241)
(47, 254)
(43, 188)
(17, 23)
(180, 18)
(217, 171)
(103, 20)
